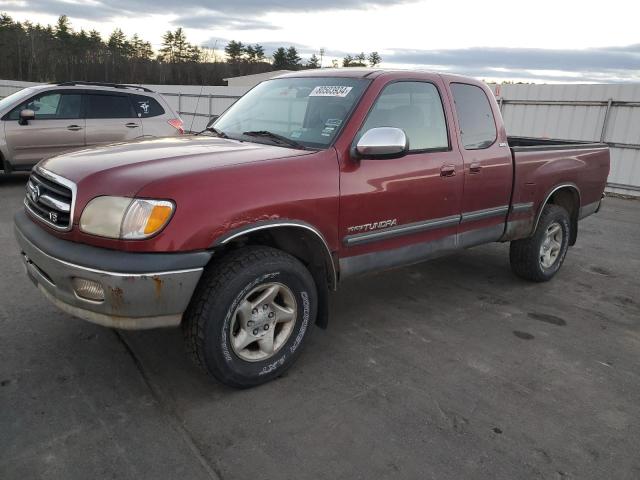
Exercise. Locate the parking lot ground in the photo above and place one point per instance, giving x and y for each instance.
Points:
(453, 369)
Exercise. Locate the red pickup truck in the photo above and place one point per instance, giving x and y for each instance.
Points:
(239, 233)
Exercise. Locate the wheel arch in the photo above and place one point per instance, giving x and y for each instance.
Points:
(567, 196)
(300, 240)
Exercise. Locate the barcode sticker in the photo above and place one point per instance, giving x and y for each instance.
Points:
(330, 91)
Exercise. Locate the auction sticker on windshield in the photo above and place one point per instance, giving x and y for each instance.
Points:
(330, 91)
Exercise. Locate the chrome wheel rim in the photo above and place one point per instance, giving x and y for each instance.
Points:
(551, 245)
(263, 321)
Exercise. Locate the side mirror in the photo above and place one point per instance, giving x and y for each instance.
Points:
(25, 116)
(212, 120)
(382, 142)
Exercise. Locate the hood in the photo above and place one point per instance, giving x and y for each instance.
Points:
(124, 168)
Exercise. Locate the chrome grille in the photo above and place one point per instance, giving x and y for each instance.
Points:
(50, 198)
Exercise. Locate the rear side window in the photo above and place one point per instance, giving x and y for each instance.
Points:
(146, 107)
(477, 125)
(109, 106)
(416, 108)
(51, 106)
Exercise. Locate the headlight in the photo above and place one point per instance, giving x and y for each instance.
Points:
(125, 218)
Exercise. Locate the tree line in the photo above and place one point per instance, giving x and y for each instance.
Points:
(33, 52)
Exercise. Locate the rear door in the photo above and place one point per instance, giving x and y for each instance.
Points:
(57, 127)
(488, 168)
(110, 118)
(153, 116)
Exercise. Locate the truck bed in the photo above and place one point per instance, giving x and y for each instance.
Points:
(543, 166)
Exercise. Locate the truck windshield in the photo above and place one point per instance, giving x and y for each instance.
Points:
(307, 111)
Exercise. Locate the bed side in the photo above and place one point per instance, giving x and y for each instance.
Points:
(570, 174)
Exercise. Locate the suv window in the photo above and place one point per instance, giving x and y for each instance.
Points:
(416, 108)
(108, 106)
(146, 107)
(51, 106)
(477, 125)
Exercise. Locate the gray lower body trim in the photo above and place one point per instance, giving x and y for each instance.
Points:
(482, 214)
(400, 230)
(418, 227)
(410, 254)
(589, 209)
(522, 207)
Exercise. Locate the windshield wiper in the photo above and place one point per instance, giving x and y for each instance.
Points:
(276, 137)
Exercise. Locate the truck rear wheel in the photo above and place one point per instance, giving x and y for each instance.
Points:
(250, 315)
(538, 258)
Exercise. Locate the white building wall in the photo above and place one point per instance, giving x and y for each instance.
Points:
(581, 121)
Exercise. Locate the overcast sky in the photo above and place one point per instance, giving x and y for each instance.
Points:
(542, 40)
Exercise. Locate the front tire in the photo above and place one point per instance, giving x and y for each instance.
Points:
(250, 315)
(539, 257)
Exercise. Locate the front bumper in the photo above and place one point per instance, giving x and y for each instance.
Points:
(141, 290)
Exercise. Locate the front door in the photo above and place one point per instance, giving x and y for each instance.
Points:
(57, 127)
(406, 209)
(111, 118)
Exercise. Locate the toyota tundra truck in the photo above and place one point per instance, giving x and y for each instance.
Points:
(240, 233)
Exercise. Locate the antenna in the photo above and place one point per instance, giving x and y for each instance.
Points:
(195, 113)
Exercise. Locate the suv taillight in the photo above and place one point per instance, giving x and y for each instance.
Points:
(177, 124)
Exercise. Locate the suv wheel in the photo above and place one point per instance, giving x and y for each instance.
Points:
(539, 257)
(250, 316)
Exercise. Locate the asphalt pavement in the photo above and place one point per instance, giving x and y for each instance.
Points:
(453, 369)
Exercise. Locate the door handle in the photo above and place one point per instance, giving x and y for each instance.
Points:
(448, 171)
(475, 167)
(74, 128)
(131, 125)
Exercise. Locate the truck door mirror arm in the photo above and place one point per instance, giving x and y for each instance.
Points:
(381, 143)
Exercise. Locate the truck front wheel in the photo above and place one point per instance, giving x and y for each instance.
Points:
(538, 258)
(250, 316)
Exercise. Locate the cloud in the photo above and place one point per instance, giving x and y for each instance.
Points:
(618, 58)
(211, 20)
(108, 9)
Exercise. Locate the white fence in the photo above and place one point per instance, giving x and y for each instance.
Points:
(608, 113)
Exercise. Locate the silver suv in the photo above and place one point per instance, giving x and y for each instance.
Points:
(45, 120)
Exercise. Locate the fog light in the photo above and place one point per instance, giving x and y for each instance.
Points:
(88, 289)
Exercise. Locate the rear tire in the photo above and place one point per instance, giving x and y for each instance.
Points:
(250, 316)
(539, 257)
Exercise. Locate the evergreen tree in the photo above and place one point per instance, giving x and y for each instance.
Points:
(314, 62)
(374, 59)
(259, 53)
(293, 59)
(280, 59)
(166, 52)
(234, 51)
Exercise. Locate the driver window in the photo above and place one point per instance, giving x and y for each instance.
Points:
(414, 107)
(51, 106)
